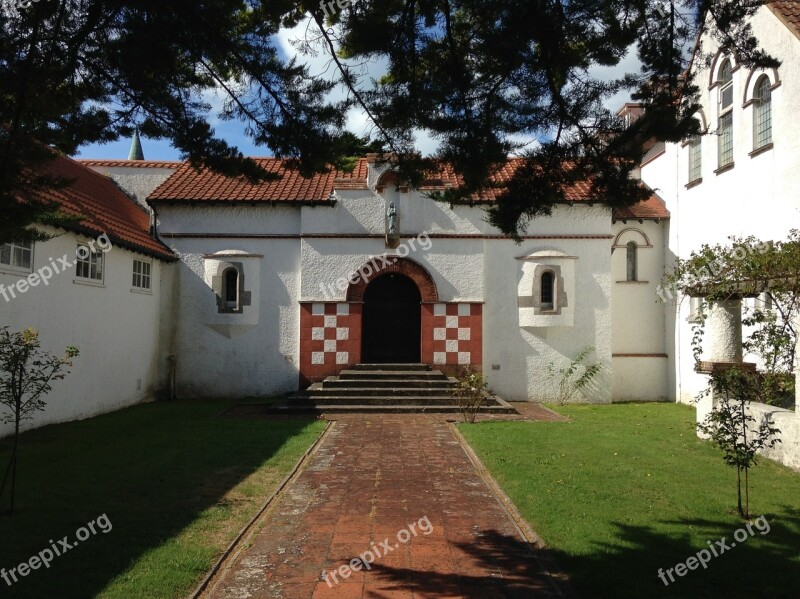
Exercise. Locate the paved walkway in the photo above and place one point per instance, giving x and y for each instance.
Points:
(369, 481)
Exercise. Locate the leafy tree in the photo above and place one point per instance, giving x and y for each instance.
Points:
(476, 75)
(733, 429)
(26, 374)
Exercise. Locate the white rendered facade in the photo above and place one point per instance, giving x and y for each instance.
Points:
(757, 194)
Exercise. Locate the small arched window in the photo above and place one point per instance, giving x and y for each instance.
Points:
(230, 288)
(762, 113)
(725, 120)
(547, 292)
(632, 262)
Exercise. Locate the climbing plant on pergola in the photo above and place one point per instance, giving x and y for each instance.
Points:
(747, 267)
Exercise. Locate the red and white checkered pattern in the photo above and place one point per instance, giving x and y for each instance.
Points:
(452, 334)
(334, 334)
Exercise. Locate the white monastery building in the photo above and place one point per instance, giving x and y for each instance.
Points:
(215, 287)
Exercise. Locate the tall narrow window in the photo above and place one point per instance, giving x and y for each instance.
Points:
(231, 288)
(762, 113)
(695, 159)
(633, 267)
(547, 291)
(725, 123)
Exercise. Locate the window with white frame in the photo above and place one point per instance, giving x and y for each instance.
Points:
(18, 255)
(89, 263)
(141, 274)
(695, 159)
(762, 113)
(725, 121)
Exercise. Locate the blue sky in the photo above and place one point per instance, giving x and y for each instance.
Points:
(159, 149)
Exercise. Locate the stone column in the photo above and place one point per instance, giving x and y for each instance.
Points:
(722, 342)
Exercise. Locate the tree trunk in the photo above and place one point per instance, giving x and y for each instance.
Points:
(746, 493)
(744, 467)
(739, 489)
(14, 469)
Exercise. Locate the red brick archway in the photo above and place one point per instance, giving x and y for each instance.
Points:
(393, 264)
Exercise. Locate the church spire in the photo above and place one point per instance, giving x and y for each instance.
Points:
(136, 152)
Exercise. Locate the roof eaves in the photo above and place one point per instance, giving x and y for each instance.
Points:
(790, 25)
(166, 254)
(240, 202)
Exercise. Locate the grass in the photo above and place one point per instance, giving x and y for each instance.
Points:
(623, 490)
(176, 480)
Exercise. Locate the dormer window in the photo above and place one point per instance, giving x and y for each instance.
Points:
(725, 115)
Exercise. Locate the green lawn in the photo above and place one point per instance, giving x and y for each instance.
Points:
(623, 490)
(176, 481)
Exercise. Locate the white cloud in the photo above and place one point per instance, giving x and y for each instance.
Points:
(630, 63)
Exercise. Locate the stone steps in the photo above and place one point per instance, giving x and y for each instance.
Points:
(393, 383)
(379, 391)
(379, 375)
(385, 388)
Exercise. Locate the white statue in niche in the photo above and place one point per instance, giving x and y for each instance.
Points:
(391, 219)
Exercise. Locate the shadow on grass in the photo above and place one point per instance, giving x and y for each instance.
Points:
(765, 565)
(153, 470)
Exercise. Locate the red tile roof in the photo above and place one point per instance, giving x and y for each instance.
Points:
(105, 208)
(188, 184)
(653, 208)
(131, 163)
(446, 178)
(788, 11)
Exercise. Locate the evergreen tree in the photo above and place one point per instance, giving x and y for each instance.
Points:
(476, 75)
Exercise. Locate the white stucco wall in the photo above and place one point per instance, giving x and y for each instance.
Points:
(137, 182)
(515, 357)
(477, 269)
(255, 353)
(115, 329)
(639, 347)
(305, 250)
(759, 196)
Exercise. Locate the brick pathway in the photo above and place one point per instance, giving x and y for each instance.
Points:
(370, 479)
